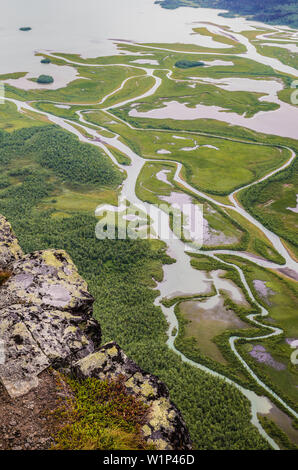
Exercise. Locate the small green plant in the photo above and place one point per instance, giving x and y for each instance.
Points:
(100, 415)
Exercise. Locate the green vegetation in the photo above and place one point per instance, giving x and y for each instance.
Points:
(199, 165)
(74, 162)
(284, 381)
(133, 88)
(13, 76)
(201, 327)
(4, 275)
(100, 415)
(285, 56)
(226, 233)
(45, 79)
(149, 188)
(240, 102)
(236, 163)
(45, 61)
(120, 275)
(234, 46)
(49, 178)
(102, 80)
(121, 158)
(204, 337)
(62, 153)
(187, 64)
(274, 201)
(279, 296)
(258, 243)
(67, 112)
(11, 119)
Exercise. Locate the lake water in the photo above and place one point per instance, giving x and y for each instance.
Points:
(86, 27)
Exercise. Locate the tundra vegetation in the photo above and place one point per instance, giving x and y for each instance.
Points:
(100, 415)
(50, 178)
(121, 277)
(45, 61)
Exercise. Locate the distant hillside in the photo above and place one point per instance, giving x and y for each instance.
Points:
(283, 12)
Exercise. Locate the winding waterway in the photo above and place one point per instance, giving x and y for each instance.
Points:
(179, 278)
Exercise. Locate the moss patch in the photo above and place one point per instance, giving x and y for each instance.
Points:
(101, 415)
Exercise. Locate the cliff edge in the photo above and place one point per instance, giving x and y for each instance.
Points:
(46, 322)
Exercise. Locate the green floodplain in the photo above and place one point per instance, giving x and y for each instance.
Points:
(51, 184)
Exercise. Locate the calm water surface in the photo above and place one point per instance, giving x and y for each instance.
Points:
(86, 27)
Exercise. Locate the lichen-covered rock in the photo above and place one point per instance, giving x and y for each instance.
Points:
(10, 249)
(47, 279)
(61, 335)
(24, 359)
(165, 428)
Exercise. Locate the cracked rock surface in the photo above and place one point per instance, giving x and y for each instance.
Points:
(45, 314)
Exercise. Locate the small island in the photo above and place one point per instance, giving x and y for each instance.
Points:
(45, 79)
(45, 61)
(25, 28)
(187, 64)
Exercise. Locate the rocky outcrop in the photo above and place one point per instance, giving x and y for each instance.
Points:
(45, 313)
(48, 279)
(10, 249)
(46, 320)
(165, 428)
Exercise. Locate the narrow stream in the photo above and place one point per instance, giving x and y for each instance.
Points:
(180, 277)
